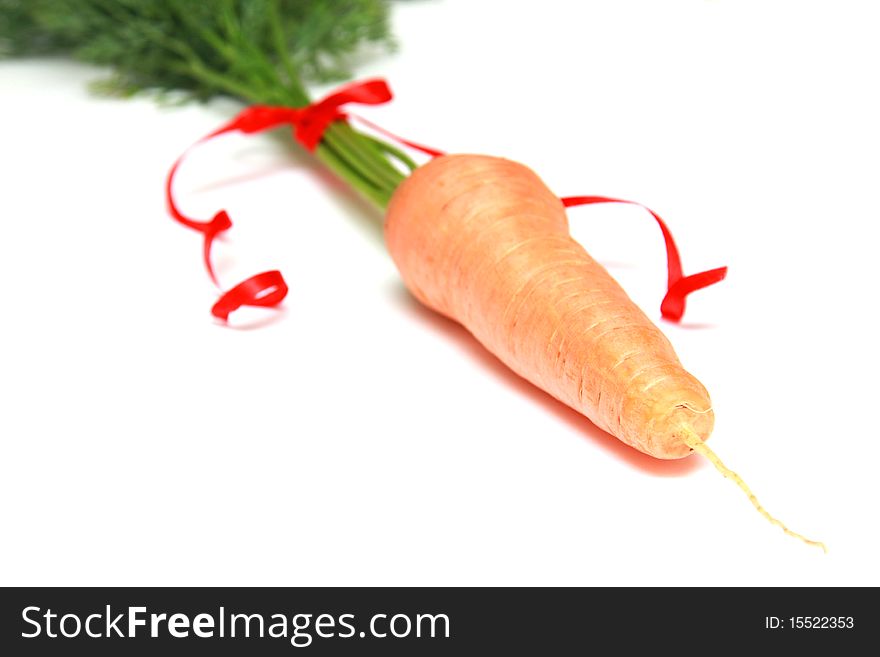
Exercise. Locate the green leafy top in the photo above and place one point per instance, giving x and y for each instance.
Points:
(163, 44)
(260, 51)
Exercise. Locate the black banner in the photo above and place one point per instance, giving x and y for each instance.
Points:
(418, 621)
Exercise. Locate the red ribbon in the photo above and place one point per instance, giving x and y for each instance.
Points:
(309, 123)
(268, 289)
(678, 285)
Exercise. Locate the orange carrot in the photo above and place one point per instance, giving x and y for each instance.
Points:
(483, 241)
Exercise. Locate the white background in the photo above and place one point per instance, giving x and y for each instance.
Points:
(355, 438)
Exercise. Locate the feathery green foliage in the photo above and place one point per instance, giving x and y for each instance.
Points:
(260, 51)
(150, 43)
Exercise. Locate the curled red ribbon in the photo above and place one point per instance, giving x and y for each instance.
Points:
(678, 285)
(309, 123)
(268, 289)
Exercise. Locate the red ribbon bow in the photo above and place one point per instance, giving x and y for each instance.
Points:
(309, 123)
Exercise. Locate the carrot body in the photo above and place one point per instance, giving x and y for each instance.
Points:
(483, 241)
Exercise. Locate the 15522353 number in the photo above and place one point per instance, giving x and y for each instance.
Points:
(821, 622)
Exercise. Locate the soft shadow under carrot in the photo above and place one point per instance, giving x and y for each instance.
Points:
(456, 333)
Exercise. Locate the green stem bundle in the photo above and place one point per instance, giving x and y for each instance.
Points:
(257, 51)
(362, 161)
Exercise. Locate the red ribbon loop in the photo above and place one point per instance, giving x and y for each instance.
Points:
(263, 290)
(309, 124)
(678, 286)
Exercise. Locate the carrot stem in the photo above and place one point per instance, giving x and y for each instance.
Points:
(352, 155)
(393, 151)
(338, 164)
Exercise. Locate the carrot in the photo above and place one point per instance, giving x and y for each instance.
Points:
(484, 242)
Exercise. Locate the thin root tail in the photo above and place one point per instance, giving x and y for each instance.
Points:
(695, 443)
